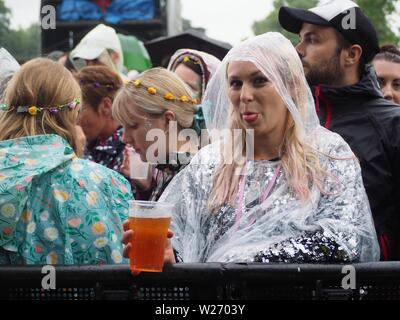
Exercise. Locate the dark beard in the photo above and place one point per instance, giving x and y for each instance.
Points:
(328, 72)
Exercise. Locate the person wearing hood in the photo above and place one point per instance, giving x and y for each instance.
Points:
(195, 68)
(337, 43)
(55, 208)
(291, 193)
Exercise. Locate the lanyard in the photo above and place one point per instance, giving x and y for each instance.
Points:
(265, 195)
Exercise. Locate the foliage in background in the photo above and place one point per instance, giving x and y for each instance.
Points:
(4, 19)
(271, 23)
(378, 11)
(23, 43)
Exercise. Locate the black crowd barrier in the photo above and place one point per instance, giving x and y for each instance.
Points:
(210, 281)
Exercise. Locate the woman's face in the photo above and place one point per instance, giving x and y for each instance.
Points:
(92, 122)
(389, 79)
(255, 100)
(191, 78)
(137, 127)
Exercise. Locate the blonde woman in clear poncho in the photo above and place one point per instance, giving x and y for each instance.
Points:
(300, 199)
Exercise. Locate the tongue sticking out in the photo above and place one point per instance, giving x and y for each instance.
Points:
(250, 117)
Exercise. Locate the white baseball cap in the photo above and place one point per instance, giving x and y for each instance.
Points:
(96, 42)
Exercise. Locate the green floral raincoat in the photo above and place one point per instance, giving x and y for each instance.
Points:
(56, 208)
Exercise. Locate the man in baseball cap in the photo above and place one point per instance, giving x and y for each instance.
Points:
(339, 23)
(337, 42)
(344, 16)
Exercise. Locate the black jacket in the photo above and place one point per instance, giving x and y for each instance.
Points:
(371, 126)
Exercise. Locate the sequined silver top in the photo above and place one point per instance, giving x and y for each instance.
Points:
(332, 227)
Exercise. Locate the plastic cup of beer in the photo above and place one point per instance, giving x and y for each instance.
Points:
(149, 221)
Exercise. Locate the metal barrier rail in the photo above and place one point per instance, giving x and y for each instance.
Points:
(211, 281)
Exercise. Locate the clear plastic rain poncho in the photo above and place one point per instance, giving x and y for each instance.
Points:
(8, 66)
(335, 226)
(208, 64)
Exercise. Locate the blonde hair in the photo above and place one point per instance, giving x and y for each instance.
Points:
(42, 83)
(164, 81)
(300, 163)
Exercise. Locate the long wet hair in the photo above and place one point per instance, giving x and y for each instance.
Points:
(42, 83)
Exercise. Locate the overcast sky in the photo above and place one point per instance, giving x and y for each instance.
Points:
(225, 20)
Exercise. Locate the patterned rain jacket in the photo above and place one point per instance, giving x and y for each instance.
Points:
(56, 208)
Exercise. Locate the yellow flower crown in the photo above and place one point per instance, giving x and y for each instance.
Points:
(167, 96)
(189, 58)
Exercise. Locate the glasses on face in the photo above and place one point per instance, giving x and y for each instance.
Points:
(80, 63)
(102, 59)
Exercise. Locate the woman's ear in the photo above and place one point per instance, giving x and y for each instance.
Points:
(105, 107)
(169, 116)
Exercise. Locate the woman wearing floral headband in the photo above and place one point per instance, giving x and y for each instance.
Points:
(99, 85)
(54, 207)
(195, 68)
(157, 104)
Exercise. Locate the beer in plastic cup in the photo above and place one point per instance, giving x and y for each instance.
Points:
(137, 168)
(149, 221)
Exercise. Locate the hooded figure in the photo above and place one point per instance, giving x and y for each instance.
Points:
(296, 197)
(203, 64)
(196, 69)
(55, 208)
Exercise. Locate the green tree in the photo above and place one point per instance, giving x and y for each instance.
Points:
(271, 23)
(4, 21)
(24, 43)
(377, 10)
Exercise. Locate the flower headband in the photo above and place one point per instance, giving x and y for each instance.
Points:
(33, 110)
(96, 84)
(167, 96)
(189, 58)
